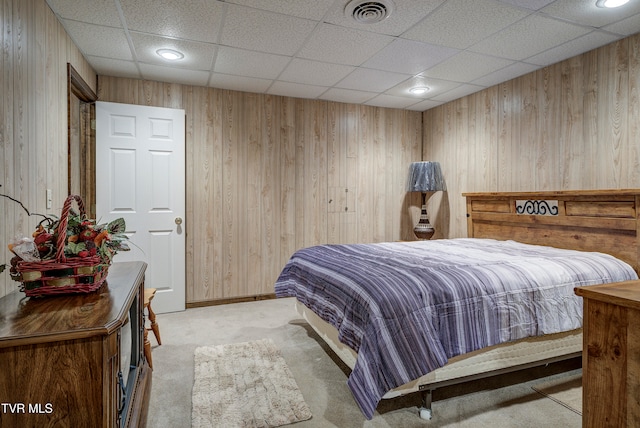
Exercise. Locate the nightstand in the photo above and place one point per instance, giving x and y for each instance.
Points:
(611, 355)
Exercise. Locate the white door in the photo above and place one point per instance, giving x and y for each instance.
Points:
(140, 176)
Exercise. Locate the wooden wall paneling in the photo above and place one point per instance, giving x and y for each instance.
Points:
(526, 125)
(411, 200)
(568, 125)
(464, 135)
(261, 170)
(299, 135)
(392, 138)
(613, 83)
(52, 101)
(173, 95)
(312, 136)
(342, 142)
(377, 174)
(572, 123)
(633, 124)
(365, 161)
(270, 189)
(20, 118)
(590, 125)
(473, 158)
(151, 93)
(486, 139)
(6, 132)
(433, 132)
(549, 148)
(214, 138)
(37, 130)
(505, 135)
(35, 50)
(335, 170)
(200, 196)
(190, 206)
(288, 175)
(400, 144)
(234, 194)
(60, 186)
(351, 140)
(450, 157)
(252, 225)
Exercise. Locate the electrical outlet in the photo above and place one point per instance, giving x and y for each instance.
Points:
(49, 199)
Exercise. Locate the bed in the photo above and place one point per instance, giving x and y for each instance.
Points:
(440, 343)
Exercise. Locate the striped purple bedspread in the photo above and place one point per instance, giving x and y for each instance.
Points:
(408, 307)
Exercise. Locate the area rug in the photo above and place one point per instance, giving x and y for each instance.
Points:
(566, 391)
(245, 385)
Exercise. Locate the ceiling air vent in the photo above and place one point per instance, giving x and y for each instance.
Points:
(369, 12)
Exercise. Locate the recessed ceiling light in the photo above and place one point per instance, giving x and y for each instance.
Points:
(170, 54)
(419, 90)
(611, 3)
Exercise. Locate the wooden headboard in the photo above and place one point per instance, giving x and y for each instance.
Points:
(587, 220)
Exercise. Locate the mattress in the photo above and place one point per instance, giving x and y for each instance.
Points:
(408, 308)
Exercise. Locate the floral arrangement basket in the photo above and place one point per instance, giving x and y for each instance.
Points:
(70, 255)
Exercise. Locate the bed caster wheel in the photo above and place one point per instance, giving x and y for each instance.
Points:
(425, 414)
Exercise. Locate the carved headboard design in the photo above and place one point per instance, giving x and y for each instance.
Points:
(587, 220)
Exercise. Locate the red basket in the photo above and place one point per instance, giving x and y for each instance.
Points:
(62, 275)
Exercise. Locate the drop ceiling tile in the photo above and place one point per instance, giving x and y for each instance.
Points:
(96, 40)
(366, 79)
(461, 23)
(510, 72)
(249, 63)
(314, 72)
(531, 36)
(587, 13)
(103, 12)
(308, 9)
(457, 69)
(572, 48)
(239, 83)
(197, 56)
(425, 105)
(114, 67)
(409, 56)
(459, 92)
(347, 96)
(269, 32)
(391, 101)
(193, 20)
(296, 90)
(529, 4)
(626, 27)
(436, 86)
(404, 15)
(330, 43)
(175, 75)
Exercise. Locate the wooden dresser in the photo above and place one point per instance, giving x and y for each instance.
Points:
(611, 355)
(61, 357)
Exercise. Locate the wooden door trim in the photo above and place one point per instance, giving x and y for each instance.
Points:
(76, 86)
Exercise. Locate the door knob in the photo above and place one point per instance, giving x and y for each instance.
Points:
(178, 220)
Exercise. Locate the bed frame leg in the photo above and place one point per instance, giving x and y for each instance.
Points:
(425, 408)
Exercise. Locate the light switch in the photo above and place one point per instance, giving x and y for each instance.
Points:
(49, 199)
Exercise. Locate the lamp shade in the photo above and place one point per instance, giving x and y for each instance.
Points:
(425, 177)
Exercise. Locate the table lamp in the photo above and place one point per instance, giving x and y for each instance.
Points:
(425, 177)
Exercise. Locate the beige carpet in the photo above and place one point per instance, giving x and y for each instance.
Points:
(245, 385)
(566, 391)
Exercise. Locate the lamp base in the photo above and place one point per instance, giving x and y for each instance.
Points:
(423, 229)
(424, 233)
